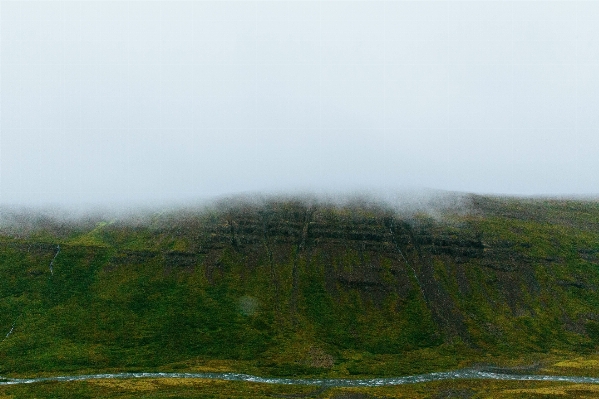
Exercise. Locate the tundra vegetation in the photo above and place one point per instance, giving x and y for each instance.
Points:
(303, 288)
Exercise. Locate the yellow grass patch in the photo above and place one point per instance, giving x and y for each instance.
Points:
(187, 382)
(211, 366)
(151, 384)
(578, 363)
(558, 390)
(141, 385)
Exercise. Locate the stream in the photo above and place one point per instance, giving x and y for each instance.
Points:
(464, 374)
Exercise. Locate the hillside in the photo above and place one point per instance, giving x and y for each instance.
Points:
(297, 287)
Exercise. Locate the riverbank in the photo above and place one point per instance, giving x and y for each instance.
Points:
(455, 384)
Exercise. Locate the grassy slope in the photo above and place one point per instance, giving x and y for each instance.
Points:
(286, 289)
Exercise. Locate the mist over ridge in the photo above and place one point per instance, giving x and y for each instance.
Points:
(439, 205)
(405, 201)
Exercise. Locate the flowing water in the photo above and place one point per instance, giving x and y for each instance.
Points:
(464, 374)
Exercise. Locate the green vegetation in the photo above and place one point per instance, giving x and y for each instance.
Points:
(289, 288)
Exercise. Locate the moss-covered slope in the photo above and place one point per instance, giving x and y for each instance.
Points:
(293, 287)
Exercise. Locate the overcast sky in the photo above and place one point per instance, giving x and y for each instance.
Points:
(140, 101)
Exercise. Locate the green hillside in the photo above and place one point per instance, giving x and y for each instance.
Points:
(294, 287)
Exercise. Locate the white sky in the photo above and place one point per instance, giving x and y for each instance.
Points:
(141, 101)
